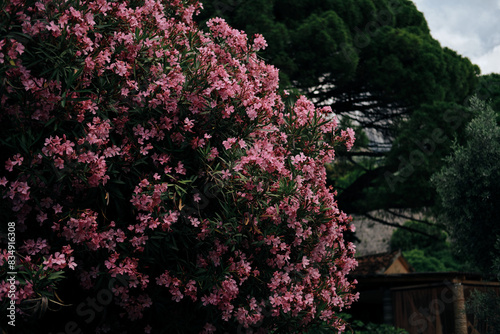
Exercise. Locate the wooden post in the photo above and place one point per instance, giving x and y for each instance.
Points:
(459, 308)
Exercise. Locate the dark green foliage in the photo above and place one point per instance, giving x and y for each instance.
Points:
(488, 89)
(427, 261)
(358, 327)
(485, 306)
(424, 253)
(372, 56)
(376, 58)
(496, 260)
(418, 150)
(406, 240)
(371, 328)
(469, 188)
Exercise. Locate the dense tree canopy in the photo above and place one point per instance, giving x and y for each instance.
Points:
(373, 57)
(488, 89)
(376, 64)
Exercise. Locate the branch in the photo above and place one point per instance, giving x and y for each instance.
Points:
(363, 154)
(439, 225)
(383, 222)
(410, 218)
(353, 192)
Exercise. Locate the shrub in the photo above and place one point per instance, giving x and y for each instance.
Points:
(154, 164)
(424, 253)
(485, 307)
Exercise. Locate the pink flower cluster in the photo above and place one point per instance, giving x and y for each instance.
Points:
(113, 171)
(175, 285)
(59, 261)
(84, 230)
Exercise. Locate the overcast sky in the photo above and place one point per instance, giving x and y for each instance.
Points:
(470, 27)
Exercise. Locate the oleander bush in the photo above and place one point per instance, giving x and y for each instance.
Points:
(157, 180)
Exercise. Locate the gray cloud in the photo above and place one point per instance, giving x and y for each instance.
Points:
(472, 28)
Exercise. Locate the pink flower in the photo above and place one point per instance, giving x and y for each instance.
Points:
(67, 250)
(57, 208)
(228, 110)
(229, 143)
(41, 217)
(16, 49)
(59, 163)
(56, 31)
(9, 165)
(34, 247)
(305, 262)
(161, 118)
(188, 125)
(214, 153)
(252, 113)
(57, 262)
(259, 43)
(208, 328)
(71, 263)
(194, 221)
(349, 137)
(180, 168)
(120, 68)
(16, 160)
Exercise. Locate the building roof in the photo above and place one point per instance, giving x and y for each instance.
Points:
(382, 263)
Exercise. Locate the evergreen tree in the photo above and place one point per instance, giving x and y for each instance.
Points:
(469, 189)
(376, 64)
